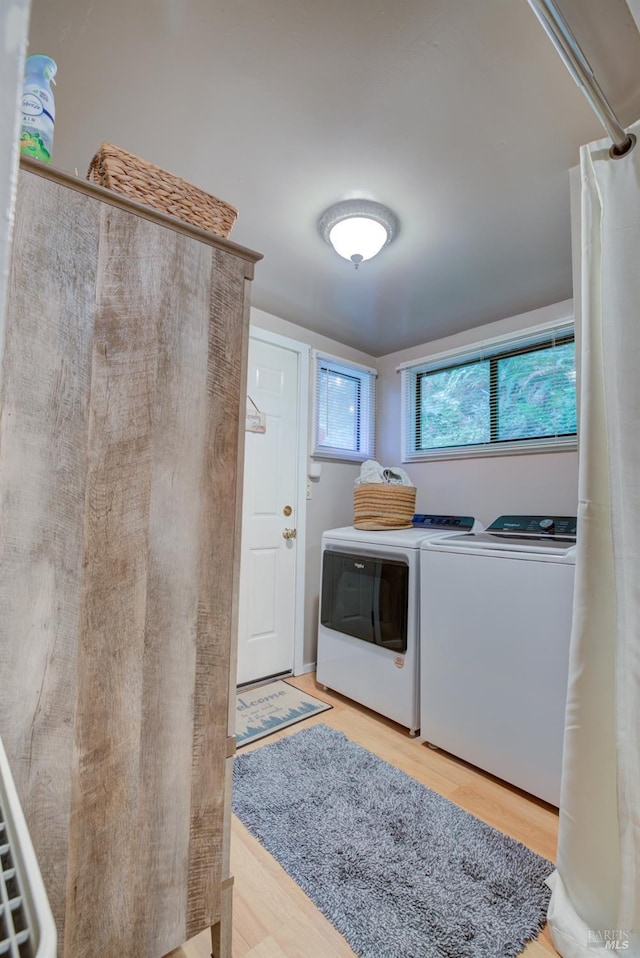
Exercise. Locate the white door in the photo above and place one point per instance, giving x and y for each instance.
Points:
(267, 611)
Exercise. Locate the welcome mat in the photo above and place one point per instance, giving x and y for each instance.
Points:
(399, 870)
(268, 708)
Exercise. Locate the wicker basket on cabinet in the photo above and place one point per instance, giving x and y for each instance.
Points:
(139, 180)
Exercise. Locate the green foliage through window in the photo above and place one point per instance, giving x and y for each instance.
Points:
(518, 393)
(536, 393)
(454, 406)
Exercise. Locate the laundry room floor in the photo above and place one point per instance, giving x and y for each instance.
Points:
(272, 916)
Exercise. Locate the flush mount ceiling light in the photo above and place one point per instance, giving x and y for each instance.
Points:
(358, 229)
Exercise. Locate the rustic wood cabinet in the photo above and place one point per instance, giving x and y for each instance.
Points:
(122, 390)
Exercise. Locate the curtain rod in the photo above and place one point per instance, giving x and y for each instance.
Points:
(578, 66)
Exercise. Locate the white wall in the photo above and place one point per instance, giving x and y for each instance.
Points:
(14, 23)
(483, 487)
(331, 504)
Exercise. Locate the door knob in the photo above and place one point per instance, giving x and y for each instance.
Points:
(289, 533)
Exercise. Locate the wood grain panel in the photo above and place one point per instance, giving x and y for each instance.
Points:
(43, 434)
(180, 413)
(240, 461)
(105, 841)
(147, 512)
(221, 486)
(123, 382)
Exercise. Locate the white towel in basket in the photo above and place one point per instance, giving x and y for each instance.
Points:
(372, 471)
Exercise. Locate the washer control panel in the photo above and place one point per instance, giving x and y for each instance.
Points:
(462, 523)
(565, 526)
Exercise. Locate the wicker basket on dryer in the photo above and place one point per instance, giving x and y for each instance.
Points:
(381, 505)
(139, 180)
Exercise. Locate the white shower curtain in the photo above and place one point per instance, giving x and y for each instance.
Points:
(595, 903)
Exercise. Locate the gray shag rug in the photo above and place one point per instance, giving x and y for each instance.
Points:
(400, 871)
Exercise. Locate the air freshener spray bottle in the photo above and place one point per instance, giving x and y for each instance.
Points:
(38, 108)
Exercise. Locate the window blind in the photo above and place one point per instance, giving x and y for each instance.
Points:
(504, 396)
(344, 409)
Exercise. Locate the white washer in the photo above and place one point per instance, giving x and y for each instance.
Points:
(368, 630)
(496, 624)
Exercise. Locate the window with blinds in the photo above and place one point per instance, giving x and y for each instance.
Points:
(344, 409)
(505, 396)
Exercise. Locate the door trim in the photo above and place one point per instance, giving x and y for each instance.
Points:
(303, 352)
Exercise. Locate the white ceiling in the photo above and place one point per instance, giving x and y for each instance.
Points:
(458, 114)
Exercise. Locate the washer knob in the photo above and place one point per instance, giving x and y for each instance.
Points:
(546, 524)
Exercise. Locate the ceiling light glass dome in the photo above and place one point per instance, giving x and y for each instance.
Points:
(358, 229)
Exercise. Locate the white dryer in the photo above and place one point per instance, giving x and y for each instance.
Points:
(368, 630)
(496, 623)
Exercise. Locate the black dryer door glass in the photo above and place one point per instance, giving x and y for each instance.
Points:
(366, 597)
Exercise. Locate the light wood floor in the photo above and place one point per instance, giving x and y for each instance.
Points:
(273, 918)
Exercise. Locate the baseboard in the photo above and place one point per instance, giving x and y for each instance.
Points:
(309, 667)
